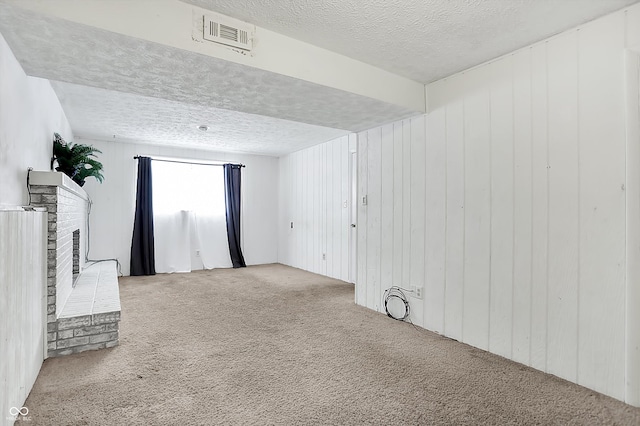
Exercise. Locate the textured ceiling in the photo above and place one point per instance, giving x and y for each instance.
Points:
(418, 39)
(171, 90)
(100, 114)
(142, 91)
(75, 53)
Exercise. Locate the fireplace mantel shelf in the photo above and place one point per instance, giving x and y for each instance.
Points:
(59, 179)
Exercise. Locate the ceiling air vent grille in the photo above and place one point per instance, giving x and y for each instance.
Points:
(227, 31)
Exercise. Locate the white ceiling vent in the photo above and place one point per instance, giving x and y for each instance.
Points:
(228, 31)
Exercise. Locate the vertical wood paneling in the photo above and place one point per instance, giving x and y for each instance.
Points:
(477, 219)
(324, 211)
(632, 190)
(373, 211)
(507, 204)
(326, 205)
(346, 212)
(564, 223)
(435, 207)
(307, 220)
(316, 209)
(406, 204)
(362, 283)
(316, 189)
(311, 230)
(454, 293)
(298, 226)
(540, 210)
(282, 216)
(314, 194)
(398, 213)
(339, 256)
(328, 208)
(300, 236)
(602, 207)
(387, 207)
(502, 194)
(417, 214)
(22, 304)
(335, 209)
(312, 239)
(522, 215)
(283, 184)
(296, 202)
(291, 204)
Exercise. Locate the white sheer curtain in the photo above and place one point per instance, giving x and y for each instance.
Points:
(189, 217)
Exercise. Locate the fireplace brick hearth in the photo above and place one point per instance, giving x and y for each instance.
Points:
(83, 304)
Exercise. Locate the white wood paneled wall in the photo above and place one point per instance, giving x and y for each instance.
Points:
(314, 195)
(23, 294)
(632, 313)
(391, 225)
(506, 202)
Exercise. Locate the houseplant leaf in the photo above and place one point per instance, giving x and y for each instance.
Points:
(75, 160)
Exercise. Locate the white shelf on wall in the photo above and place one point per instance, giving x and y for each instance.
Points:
(57, 179)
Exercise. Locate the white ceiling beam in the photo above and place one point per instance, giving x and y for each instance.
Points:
(175, 24)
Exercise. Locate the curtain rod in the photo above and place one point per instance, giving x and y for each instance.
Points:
(187, 162)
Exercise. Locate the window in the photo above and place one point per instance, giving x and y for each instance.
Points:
(189, 217)
(187, 187)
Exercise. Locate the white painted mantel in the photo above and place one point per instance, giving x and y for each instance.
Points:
(58, 179)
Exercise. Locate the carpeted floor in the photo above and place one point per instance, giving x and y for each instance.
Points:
(276, 345)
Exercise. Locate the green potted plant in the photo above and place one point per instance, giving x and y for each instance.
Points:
(75, 160)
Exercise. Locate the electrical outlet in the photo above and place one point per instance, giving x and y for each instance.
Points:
(418, 292)
(324, 256)
(291, 225)
(197, 253)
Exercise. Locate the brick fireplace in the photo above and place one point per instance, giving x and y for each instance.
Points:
(83, 304)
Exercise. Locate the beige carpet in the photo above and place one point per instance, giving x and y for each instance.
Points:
(276, 345)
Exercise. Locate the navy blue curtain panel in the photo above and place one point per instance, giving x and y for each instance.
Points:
(143, 260)
(232, 173)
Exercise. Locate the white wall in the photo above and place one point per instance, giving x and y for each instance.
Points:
(314, 187)
(22, 305)
(29, 115)
(113, 208)
(507, 203)
(391, 226)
